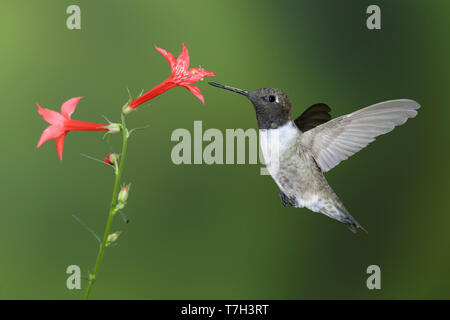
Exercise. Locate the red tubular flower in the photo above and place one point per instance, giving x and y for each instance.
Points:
(181, 76)
(61, 124)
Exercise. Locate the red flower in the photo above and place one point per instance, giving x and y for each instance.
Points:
(111, 158)
(107, 160)
(181, 76)
(61, 124)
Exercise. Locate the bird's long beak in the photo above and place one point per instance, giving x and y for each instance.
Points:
(243, 92)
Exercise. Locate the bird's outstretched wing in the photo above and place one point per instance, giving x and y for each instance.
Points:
(338, 139)
(315, 115)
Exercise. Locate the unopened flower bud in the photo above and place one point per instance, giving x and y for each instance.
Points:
(112, 158)
(123, 194)
(112, 238)
(114, 127)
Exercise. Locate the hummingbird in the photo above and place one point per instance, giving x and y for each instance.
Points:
(298, 152)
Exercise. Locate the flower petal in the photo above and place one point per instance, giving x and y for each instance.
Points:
(60, 144)
(205, 73)
(183, 60)
(195, 74)
(51, 116)
(196, 91)
(69, 107)
(51, 132)
(169, 57)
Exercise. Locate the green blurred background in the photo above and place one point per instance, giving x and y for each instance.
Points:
(220, 231)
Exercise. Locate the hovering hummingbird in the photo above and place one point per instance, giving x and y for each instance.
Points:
(312, 144)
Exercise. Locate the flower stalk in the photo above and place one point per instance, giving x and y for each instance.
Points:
(112, 210)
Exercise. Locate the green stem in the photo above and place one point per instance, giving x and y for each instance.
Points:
(112, 210)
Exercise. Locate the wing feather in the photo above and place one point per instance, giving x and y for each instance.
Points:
(340, 138)
(313, 116)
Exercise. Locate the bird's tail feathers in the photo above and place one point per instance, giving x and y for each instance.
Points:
(348, 220)
(338, 212)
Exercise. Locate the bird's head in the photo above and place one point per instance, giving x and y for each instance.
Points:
(272, 106)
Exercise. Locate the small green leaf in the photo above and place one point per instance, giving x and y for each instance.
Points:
(95, 159)
(129, 94)
(104, 117)
(139, 128)
(84, 225)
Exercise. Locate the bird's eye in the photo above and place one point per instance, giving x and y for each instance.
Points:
(272, 98)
